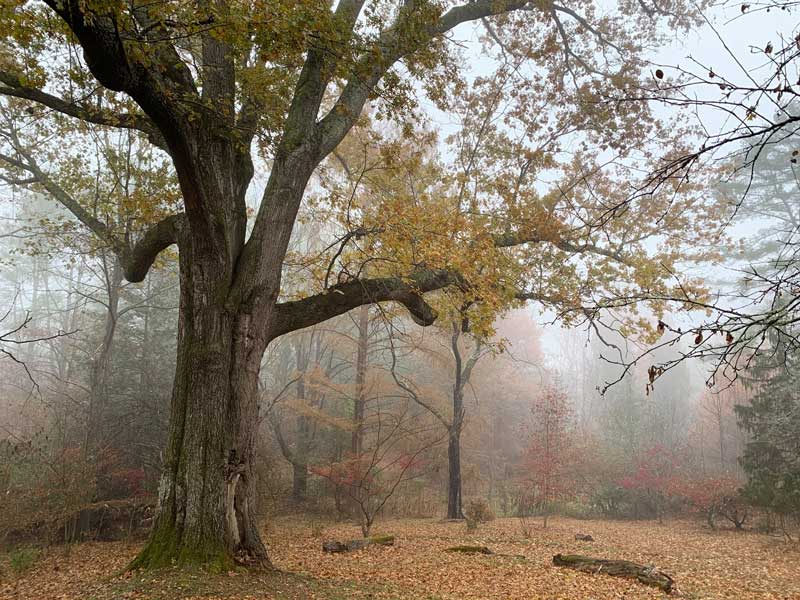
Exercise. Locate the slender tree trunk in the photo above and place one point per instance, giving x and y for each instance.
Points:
(98, 382)
(299, 482)
(361, 375)
(721, 430)
(299, 457)
(454, 510)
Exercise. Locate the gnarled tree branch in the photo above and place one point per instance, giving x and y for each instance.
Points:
(337, 300)
(136, 259)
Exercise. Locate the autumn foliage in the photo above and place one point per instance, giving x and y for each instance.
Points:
(548, 464)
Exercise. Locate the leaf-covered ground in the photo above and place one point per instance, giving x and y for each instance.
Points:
(705, 565)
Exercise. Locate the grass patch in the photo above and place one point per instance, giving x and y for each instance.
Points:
(22, 559)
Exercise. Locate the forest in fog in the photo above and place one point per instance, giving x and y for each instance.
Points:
(420, 299)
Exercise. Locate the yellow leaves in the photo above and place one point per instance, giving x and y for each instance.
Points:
(301, 407)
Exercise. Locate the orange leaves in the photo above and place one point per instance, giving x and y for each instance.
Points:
(706, 564)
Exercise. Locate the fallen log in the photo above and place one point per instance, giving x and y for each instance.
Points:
(646, 574)
(335, 547)
(470, 549)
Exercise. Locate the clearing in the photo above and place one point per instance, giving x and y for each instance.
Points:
(705, 565)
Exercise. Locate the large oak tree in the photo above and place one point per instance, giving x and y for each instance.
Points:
(217, 84)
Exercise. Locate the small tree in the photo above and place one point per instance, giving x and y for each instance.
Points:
(772, 420)
(393, 452)
(551, 453)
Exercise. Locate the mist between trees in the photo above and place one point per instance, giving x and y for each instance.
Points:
(367, 261)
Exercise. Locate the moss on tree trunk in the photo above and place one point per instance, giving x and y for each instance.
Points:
(206, 502)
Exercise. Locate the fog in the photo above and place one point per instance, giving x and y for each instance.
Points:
(402, 300)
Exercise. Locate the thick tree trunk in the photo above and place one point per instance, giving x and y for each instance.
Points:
(206, 496)
(207, 491)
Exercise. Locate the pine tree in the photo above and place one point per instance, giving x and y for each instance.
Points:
(771, 458)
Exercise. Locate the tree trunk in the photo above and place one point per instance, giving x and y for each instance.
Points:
(207, 491)
(299, 457)
(359, 404)
(710, 513)
(299, 483)
(98, 381)
(454, 474)
(454, 509)
(206, 496)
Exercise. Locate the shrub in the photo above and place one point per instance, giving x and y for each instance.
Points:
(44, 494)
(619, 502)
(526, 529)
(577, 510)
(22, 559)
(477, 511)
(317, 528)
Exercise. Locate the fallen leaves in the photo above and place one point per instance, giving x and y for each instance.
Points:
(706, 565)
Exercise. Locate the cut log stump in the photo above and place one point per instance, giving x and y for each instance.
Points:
(617, 568)
(335, 547)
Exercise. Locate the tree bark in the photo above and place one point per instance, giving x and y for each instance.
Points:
(360, 401)
(207, 491)
(454, 510)
(299, 457)
(463, 372)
